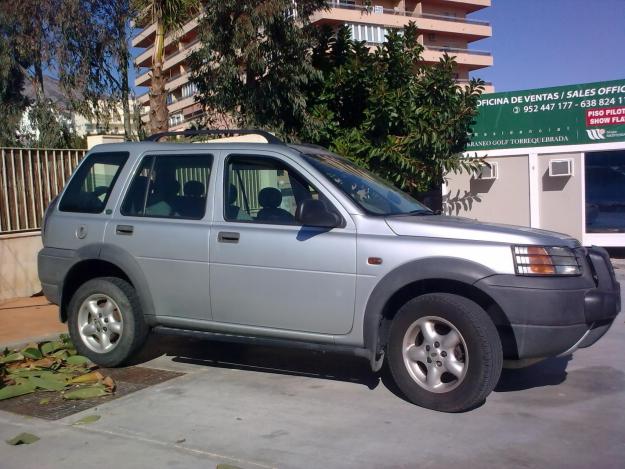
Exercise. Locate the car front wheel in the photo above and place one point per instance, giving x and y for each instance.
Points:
(105, 321)
(444, 352)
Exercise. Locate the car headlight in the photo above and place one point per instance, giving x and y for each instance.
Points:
(545, 260)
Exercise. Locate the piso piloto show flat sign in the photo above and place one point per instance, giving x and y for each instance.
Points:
(563, 115)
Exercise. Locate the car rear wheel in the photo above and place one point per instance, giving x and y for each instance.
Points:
(444, 352)
(105, 321)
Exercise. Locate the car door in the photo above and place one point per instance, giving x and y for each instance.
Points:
(267, 270)
(163, 223)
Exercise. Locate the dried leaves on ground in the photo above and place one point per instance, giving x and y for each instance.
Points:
(52, 366)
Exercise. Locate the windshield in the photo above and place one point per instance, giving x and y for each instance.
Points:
(373, 194)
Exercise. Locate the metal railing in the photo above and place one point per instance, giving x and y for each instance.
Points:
(29, 179)
(373, 9)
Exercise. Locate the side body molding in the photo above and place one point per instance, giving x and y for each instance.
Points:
(430, 268)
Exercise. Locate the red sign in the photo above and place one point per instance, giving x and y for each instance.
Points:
(605, 116)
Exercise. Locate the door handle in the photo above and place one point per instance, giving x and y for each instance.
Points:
(124, 230)
(228, 237)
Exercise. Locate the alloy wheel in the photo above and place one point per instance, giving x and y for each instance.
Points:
(435, 354)
(100, 323)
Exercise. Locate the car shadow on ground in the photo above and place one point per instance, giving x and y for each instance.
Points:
(331, 366)
(277, 360)
(549, 372)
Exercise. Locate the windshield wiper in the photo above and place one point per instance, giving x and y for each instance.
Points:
(420, 212)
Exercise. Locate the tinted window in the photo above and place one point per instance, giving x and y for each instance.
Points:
(605, 192)
(265, 190)
(89, 189)
(172, 186)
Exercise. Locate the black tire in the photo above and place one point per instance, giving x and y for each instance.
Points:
(134, 331)
(483, 348)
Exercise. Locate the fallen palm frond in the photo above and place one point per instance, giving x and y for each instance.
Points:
(52, 366)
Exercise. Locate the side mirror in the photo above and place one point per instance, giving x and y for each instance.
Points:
(314, 213)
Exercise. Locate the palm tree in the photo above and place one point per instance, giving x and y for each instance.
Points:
(169, 17)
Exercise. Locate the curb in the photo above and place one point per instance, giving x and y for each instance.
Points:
(23, 342)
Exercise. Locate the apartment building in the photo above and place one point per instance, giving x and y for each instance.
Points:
(445, 26)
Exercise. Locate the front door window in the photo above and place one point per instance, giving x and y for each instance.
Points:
(265, 190)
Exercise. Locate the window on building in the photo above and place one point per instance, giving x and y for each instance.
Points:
(169, 186)
(176, 119)
(605, 193)
(89, 189)
(432, 37)
(372, 34)
(188, 89)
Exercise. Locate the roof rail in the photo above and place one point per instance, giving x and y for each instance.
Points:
(193, 133)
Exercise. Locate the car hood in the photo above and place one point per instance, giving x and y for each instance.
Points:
(441, 226)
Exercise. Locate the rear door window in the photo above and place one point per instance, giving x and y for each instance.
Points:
(91, 186)
(169, 186)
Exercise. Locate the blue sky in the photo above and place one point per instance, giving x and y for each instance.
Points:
(542, 43)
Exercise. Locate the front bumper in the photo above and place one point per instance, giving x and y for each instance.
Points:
(549, 316)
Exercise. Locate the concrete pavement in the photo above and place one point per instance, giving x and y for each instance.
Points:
(261, 407)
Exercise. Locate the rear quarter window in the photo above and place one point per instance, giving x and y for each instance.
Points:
(91, 186)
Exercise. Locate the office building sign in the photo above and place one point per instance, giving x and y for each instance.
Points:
(563, 115)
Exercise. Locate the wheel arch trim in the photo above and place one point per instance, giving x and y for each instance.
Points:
(118, 258)
(431, 268)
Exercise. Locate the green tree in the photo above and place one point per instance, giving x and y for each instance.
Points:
(169, 16)
(104, 80)
(389, 112)
(254, 65)
(12, 101)
(60, 38)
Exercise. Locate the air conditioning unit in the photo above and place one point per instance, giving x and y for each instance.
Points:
(561, 168)
(488, 173)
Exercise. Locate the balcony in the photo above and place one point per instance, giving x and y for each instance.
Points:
(468, 5)
(173, 83)
(181, 104)
(170, 61)
(467, 58)
(145, 39)
(338, 12)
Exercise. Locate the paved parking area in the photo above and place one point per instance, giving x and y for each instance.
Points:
(260, 407)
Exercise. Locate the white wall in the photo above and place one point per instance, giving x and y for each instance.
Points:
(561, 198)
(556, 204)
(502, 200)
(18, 265)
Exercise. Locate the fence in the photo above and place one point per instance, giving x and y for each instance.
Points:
(29, 179)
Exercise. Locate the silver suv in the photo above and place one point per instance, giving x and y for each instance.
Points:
(293, 245)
